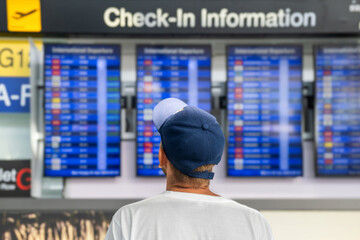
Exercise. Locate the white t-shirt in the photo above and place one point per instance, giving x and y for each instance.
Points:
(187, 216)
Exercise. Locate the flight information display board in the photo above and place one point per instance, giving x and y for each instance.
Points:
(264, 111)
(82, 110)
(338, 110)
(182, 72)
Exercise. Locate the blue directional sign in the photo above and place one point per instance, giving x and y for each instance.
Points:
(14, 95)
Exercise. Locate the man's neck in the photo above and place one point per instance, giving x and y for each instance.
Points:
(188, 189)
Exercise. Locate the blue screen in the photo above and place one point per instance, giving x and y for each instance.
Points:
(338, 110)
(82, 110)
(182, 72)
(264, 111)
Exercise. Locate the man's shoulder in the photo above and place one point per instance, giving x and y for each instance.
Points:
(242, 207)
(148, 202)
(163, 199)
(175, 206)
(236, 206)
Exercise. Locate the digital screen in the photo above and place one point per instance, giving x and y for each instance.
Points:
(82, 110)
(338, 110)
(182, 72)
(264, 111)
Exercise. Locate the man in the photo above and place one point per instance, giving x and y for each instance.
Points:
(191, 144)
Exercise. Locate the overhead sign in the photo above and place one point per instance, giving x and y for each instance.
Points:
(15, 178)
(14, 76)
(23, 15)
(187, 17)
(201, 17)
(225, 18)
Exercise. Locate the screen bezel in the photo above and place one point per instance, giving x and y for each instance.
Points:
(227, 111)
(316, 134)
(43, 150)
(137, 46)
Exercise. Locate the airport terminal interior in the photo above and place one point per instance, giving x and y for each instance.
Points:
(79, 81)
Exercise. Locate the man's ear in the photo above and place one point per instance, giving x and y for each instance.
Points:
(162, 158)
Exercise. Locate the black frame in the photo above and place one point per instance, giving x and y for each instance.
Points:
(136, 91)
(89, 176)
(316, 134)
(227, 124)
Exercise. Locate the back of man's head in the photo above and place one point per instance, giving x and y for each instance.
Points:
(192, 140)
(179, 178)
